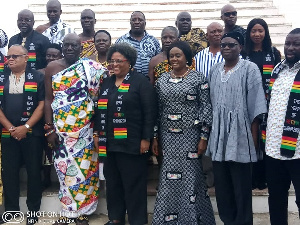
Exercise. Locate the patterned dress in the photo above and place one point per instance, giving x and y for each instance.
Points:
(75, 90)
(88, 48)
(185, 114)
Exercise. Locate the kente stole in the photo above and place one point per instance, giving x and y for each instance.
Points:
(29, 98)
(119, 117)
(292, 118)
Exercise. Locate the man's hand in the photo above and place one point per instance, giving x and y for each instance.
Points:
(19, 132)
(144, 148)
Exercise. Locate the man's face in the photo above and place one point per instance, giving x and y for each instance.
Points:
(229, 15)
(52, 54)
(292, 48)
(53, 12)
(184, 22)
(230, 49)
(71, 48)
(16, 58)
(25, 22)
(214, 34)
(137, 22)
(87, 20)
(167, 38)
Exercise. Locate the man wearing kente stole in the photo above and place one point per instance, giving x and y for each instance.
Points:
(71, 88)
(22, 96)
(282, 134)
(35, 43)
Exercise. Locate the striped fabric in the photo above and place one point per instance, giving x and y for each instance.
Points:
(205, 60)
(31, 86)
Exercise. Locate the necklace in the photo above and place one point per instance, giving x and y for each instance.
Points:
(179, 77)
(226, 75)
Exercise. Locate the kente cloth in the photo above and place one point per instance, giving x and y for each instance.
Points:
(196, 38)
(237, 98)
(88, 48)
(165, 67)
(265, 60)
(184, 110)
(76, 161)
(58, 31)
(119, 124)
(291, 126)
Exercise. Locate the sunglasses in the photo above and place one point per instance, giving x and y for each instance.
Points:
(230, 45)
(13, 56)
(228, 14)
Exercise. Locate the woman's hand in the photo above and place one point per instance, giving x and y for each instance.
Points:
(155, 147)
(96, 143)
(19, 132)
(144, 148)
(53, 140)
(202, 145)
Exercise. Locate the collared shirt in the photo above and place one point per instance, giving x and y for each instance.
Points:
(196, 38)
(277, 111)
(205, 60)
(146, 49)
(35, 42)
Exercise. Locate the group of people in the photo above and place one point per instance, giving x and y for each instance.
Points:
(220, 109)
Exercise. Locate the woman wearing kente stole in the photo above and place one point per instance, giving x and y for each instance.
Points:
(124, 123)
(22, 96)
(259, 49)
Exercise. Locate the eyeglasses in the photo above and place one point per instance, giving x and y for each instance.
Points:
(25, 20)
(117, 61)
(230, 45)
(13, 56)
(228, 14)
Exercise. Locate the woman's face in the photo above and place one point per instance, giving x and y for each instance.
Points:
(177, 59)
(120, 66)
(257, 34)
(102, 42)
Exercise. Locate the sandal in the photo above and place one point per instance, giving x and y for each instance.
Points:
(82, 220)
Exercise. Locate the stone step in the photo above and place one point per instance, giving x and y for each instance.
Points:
(50, 202)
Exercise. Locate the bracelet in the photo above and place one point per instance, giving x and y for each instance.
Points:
(203, 138)
(95, 134)
(50, 132)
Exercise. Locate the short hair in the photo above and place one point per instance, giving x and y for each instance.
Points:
(185, 48)
(174, 29)
(102, 31)
(138, 12)
(56, 46)
(266, 44)
(124, 49)
(90, 11)
(295, 31)
(21, 46)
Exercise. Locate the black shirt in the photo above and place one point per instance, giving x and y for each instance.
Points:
(40, 43)
(140, 112)
(14, 103)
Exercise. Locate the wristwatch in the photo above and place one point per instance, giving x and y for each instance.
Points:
(27, 126)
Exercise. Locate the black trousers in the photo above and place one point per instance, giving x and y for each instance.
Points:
(233, 186)
(126, 187)
(14, 153)
(280, 174)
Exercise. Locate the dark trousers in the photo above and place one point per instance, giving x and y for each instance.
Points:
(126, 187)
(280, 174)
(14, 153)
(233, 185)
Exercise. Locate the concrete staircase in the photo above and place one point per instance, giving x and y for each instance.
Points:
(51, 205)
(113, 15)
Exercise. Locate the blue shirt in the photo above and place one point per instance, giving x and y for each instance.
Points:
(204, 60)
(146, 49)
